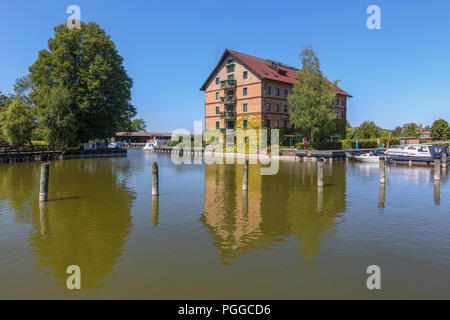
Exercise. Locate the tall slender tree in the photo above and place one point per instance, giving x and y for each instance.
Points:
(311, 97)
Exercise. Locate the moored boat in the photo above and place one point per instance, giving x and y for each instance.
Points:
(367, 157)
(416, 153)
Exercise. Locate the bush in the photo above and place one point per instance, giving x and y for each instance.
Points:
(333, 145)
(172, 143)
(368, 143)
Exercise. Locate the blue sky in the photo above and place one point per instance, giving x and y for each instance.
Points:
(398, 74)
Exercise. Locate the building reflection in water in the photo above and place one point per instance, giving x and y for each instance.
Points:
(84, 223)
(274, 208)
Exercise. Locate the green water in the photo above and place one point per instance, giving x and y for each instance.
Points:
(205, 239)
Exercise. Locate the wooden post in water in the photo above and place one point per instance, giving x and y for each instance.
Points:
(245, 176)
(437, 170)
(320, 172)
(444, 159)
(382, 170)
(155, 179)
(43, 193)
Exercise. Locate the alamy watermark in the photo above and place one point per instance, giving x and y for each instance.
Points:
(374, 280)
(374, 20)
(74, 280)
(74, 20)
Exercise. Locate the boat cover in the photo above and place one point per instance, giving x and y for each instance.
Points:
(437, 151)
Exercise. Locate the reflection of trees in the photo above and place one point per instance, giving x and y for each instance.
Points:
(86, 220)
(278, 206)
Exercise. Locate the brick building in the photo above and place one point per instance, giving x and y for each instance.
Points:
(243, 85)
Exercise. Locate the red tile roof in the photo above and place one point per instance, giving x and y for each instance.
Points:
(264, 69)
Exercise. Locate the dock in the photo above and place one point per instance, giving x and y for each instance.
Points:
(9, 154)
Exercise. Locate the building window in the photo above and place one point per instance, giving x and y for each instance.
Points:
(268, 90)
(217, 110)
(245, 74)
(278, 107)
(244, 108)
(245, 124)
(244, 91)
(230, 60)
(217, 80)
(268, 123)
(230, 125)
(285, 123)
(217, 95)
(267, 106)
(285, 92)
(231, 76)
(285, 108)
(277, 92)
(217, 125)
(230, 68)
(230, 92)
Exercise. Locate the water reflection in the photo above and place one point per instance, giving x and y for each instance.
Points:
(155, 211)
(84, 223)
(382, 197)
(437, 193)
(274, 208)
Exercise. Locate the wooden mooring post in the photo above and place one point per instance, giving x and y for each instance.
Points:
(320, 172)
(437, 169)
(245, 176)
(155, 179)
(43, 193)
(382, 170)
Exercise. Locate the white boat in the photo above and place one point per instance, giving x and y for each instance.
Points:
(150, 146)
(416, 153)
(367, 157)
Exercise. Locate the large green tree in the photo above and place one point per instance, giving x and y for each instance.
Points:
(137, 125)
(18, 123)
(410, 130)
(367, 130)
(85, 65)
(440, 129)
(311, 98)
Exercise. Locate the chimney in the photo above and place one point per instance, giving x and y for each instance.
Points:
(420, 130)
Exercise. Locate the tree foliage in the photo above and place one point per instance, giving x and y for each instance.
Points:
(58, 119)
(18, 123)
(410, 130)
(311, 98)
(136, 125)
(84, 65)
(440, 130)
(367, 130)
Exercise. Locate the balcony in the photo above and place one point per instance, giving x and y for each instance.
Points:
(225, 84)
(228, 99)
(228, 115)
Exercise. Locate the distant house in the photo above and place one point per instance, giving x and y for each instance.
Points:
(409, 140)
(426, 135)
(242, 85)
(141, 137)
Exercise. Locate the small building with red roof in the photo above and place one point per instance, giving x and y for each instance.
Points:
(242, 85)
